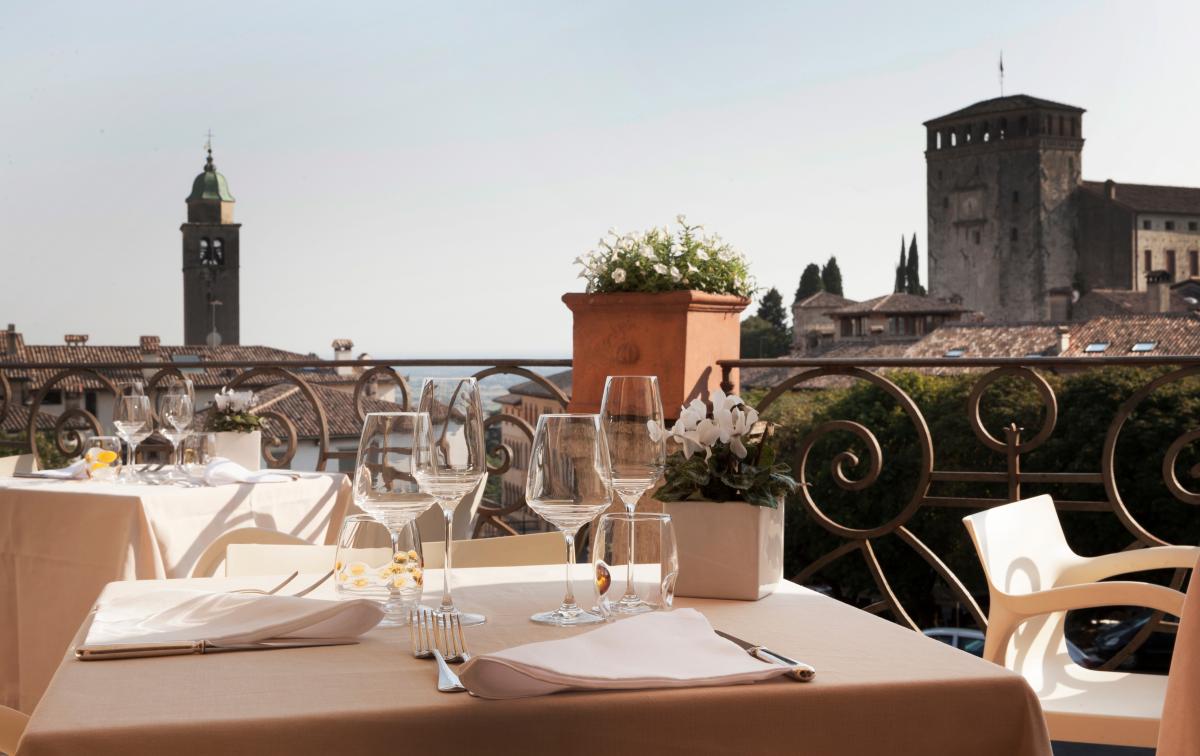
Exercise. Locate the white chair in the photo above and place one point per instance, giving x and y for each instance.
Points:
(250, 559)
(1034, 578)
(12, 724)
(214, 554)
(16, 463)
(503, 551)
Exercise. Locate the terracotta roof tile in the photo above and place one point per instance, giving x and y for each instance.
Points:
(1151, 198)
(1172, 334)
(823, 300)
(899, 304)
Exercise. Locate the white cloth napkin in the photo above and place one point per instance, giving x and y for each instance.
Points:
(227, 618)
(74, 471)
(675, 649)
(221, 471)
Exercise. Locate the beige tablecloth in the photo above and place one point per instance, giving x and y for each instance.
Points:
(62, 541)
(880, 689)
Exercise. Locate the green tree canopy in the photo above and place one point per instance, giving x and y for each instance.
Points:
(831, 277)
(810, 282)
(762, 339)
(771, 309)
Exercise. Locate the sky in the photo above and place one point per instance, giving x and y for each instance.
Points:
(418, 177)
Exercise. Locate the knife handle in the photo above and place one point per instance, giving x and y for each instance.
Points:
(139, 650)
(799, 670)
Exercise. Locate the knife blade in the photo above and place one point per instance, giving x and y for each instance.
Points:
(185, 648)
(799, 670)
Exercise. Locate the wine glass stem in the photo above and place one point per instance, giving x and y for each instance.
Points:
(447, 600)
(630, 593)
(393, 591)
(569, 598)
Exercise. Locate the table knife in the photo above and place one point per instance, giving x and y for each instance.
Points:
(799, 670)
(185, 648)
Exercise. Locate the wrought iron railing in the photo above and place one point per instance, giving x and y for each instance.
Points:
(1011, 445)
(66, 429)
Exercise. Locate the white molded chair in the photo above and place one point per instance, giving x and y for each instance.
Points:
(16, 463)
(1034, 578)
(249, 558)
(214, 554)
(12, 724)
(1179, 734)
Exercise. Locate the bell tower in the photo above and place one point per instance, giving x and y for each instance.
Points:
(210, 261)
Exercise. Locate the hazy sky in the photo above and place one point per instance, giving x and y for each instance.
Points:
(418, 177)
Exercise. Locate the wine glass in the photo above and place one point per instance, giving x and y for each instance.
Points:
(633, 423)
(568, 484)
(456, 463)
(175, 410)
(133, 422)
(385, 486)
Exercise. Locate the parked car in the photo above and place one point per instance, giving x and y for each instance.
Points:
(1153, 656)
(971, 640)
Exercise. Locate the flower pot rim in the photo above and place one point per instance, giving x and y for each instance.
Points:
(686, 299)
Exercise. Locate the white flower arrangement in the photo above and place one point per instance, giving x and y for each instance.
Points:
(228, 400)
(233, 411)
(695, 432)
(659, 260)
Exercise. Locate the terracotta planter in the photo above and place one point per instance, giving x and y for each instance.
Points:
(677, 336)
(243, 448)
(727, 549)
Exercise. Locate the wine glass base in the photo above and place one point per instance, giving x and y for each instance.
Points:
(631, 605)
(467, 619)
(566, 617)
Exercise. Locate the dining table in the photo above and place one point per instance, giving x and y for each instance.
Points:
(879, 689)
(62, 541)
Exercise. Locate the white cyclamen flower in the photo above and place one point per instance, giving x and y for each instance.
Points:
(618, 275)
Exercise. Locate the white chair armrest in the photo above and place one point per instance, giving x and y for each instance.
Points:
(1089, 595)
(1092, 569)
(12, 724)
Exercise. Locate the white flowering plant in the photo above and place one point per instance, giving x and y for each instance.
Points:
(660, 260)
(727, 457)
(233, 411)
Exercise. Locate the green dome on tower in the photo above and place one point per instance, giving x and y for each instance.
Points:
(210, 185)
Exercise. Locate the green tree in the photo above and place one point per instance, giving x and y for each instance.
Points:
(771, 309)
(761, 338)
(810, 282)
(901, 271)
(831, 277)
(913, 270)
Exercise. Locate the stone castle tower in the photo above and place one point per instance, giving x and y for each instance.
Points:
(210, 261)
(1000, 177)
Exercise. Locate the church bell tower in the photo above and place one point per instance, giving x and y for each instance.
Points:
(210, 261)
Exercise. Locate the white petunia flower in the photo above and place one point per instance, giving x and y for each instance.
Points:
(660, 269)
(618, 275)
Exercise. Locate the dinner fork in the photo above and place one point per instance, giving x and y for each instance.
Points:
(424, 640)
(454, 642)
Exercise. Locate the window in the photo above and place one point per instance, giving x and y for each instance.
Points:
(1171, 263)
(976, 237)
(1169, 225)
(1144, 346)
(204, 253)
(945, 203)
(1013, 234)
(1192, 225)
(1003, 127)
(1024, 128)
(1193, 262)
(218, 252)
(938, 141)
(1074, 127)
(1146, 225)
(1016, 198)
(955, 352)
(1147, 260)
(1096, 347)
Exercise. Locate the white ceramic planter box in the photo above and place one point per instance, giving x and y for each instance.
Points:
(243, 448)
(727, 550)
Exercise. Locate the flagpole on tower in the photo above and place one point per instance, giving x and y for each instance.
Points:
(1001, 73)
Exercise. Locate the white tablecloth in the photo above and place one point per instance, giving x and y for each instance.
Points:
(62, 541)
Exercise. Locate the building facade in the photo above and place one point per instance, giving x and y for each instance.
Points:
(210, 262)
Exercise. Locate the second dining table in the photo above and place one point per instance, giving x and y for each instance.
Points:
(879, 689)
(61, 541)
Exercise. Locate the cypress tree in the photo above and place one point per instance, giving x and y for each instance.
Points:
(831, 277)
(913, 270)
(901, 271)
(771, 310)
(810, 282)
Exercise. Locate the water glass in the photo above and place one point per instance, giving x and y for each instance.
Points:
(371, 564)
(650, 576)
(102, 457)
(197, 450)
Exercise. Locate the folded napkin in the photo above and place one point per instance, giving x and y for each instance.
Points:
(222, 619)
(221, 471)
(74, 471)
(675, 649)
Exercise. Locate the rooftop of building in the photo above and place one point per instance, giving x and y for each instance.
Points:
(900, 304)
(1005, 104)
(1166, 334)
(562, 380)
(1150, 198)
(210, 185)
(823, 300)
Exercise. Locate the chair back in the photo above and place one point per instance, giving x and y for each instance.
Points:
(1179, 733)
(504, 551)
(248, 559)
(1021, 545)
(214, 554)
(24, 463)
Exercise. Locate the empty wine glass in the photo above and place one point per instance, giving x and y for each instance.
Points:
(456, 462)
(632, 414)
(175, 411)
(385, 486)
(568, 484)
(133, 422)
